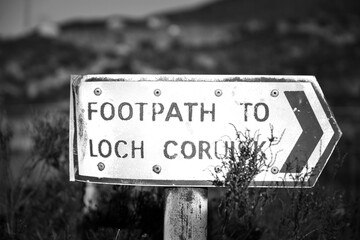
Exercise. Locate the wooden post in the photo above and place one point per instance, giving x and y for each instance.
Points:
(186, 211)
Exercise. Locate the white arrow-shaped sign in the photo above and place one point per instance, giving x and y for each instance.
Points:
(178, 129)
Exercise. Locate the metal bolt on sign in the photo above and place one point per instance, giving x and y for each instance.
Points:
(101, 166)
(157, 92)
(97, 91)
(274, 93)
(218, 92)
(217, 169)
(274, 170)
(157, 169)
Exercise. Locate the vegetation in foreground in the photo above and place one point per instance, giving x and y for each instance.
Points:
(40, 205)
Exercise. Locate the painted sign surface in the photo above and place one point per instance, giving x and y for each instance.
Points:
(175, 130)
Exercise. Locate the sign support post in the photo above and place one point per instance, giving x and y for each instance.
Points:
(186, 211)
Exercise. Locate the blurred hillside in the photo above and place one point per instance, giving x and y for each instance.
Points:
(235, 11)
(225, 37)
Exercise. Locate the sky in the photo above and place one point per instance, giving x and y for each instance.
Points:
(17, 16)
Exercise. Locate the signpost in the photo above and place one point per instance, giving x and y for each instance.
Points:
(175, 130)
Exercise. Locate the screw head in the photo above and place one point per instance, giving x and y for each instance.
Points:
(274, 170)
(97, 91)
(274, 93)
(218, 92)
(157, 169)
(101, 166)
(217, 169)
(157, 92)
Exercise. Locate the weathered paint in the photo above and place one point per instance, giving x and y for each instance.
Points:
(186, 211)
(131, 143)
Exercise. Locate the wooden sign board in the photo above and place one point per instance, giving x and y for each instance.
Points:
(175, 130)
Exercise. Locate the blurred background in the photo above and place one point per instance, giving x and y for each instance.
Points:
(43, 42)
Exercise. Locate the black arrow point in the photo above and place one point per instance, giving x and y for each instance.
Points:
(310, 136)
